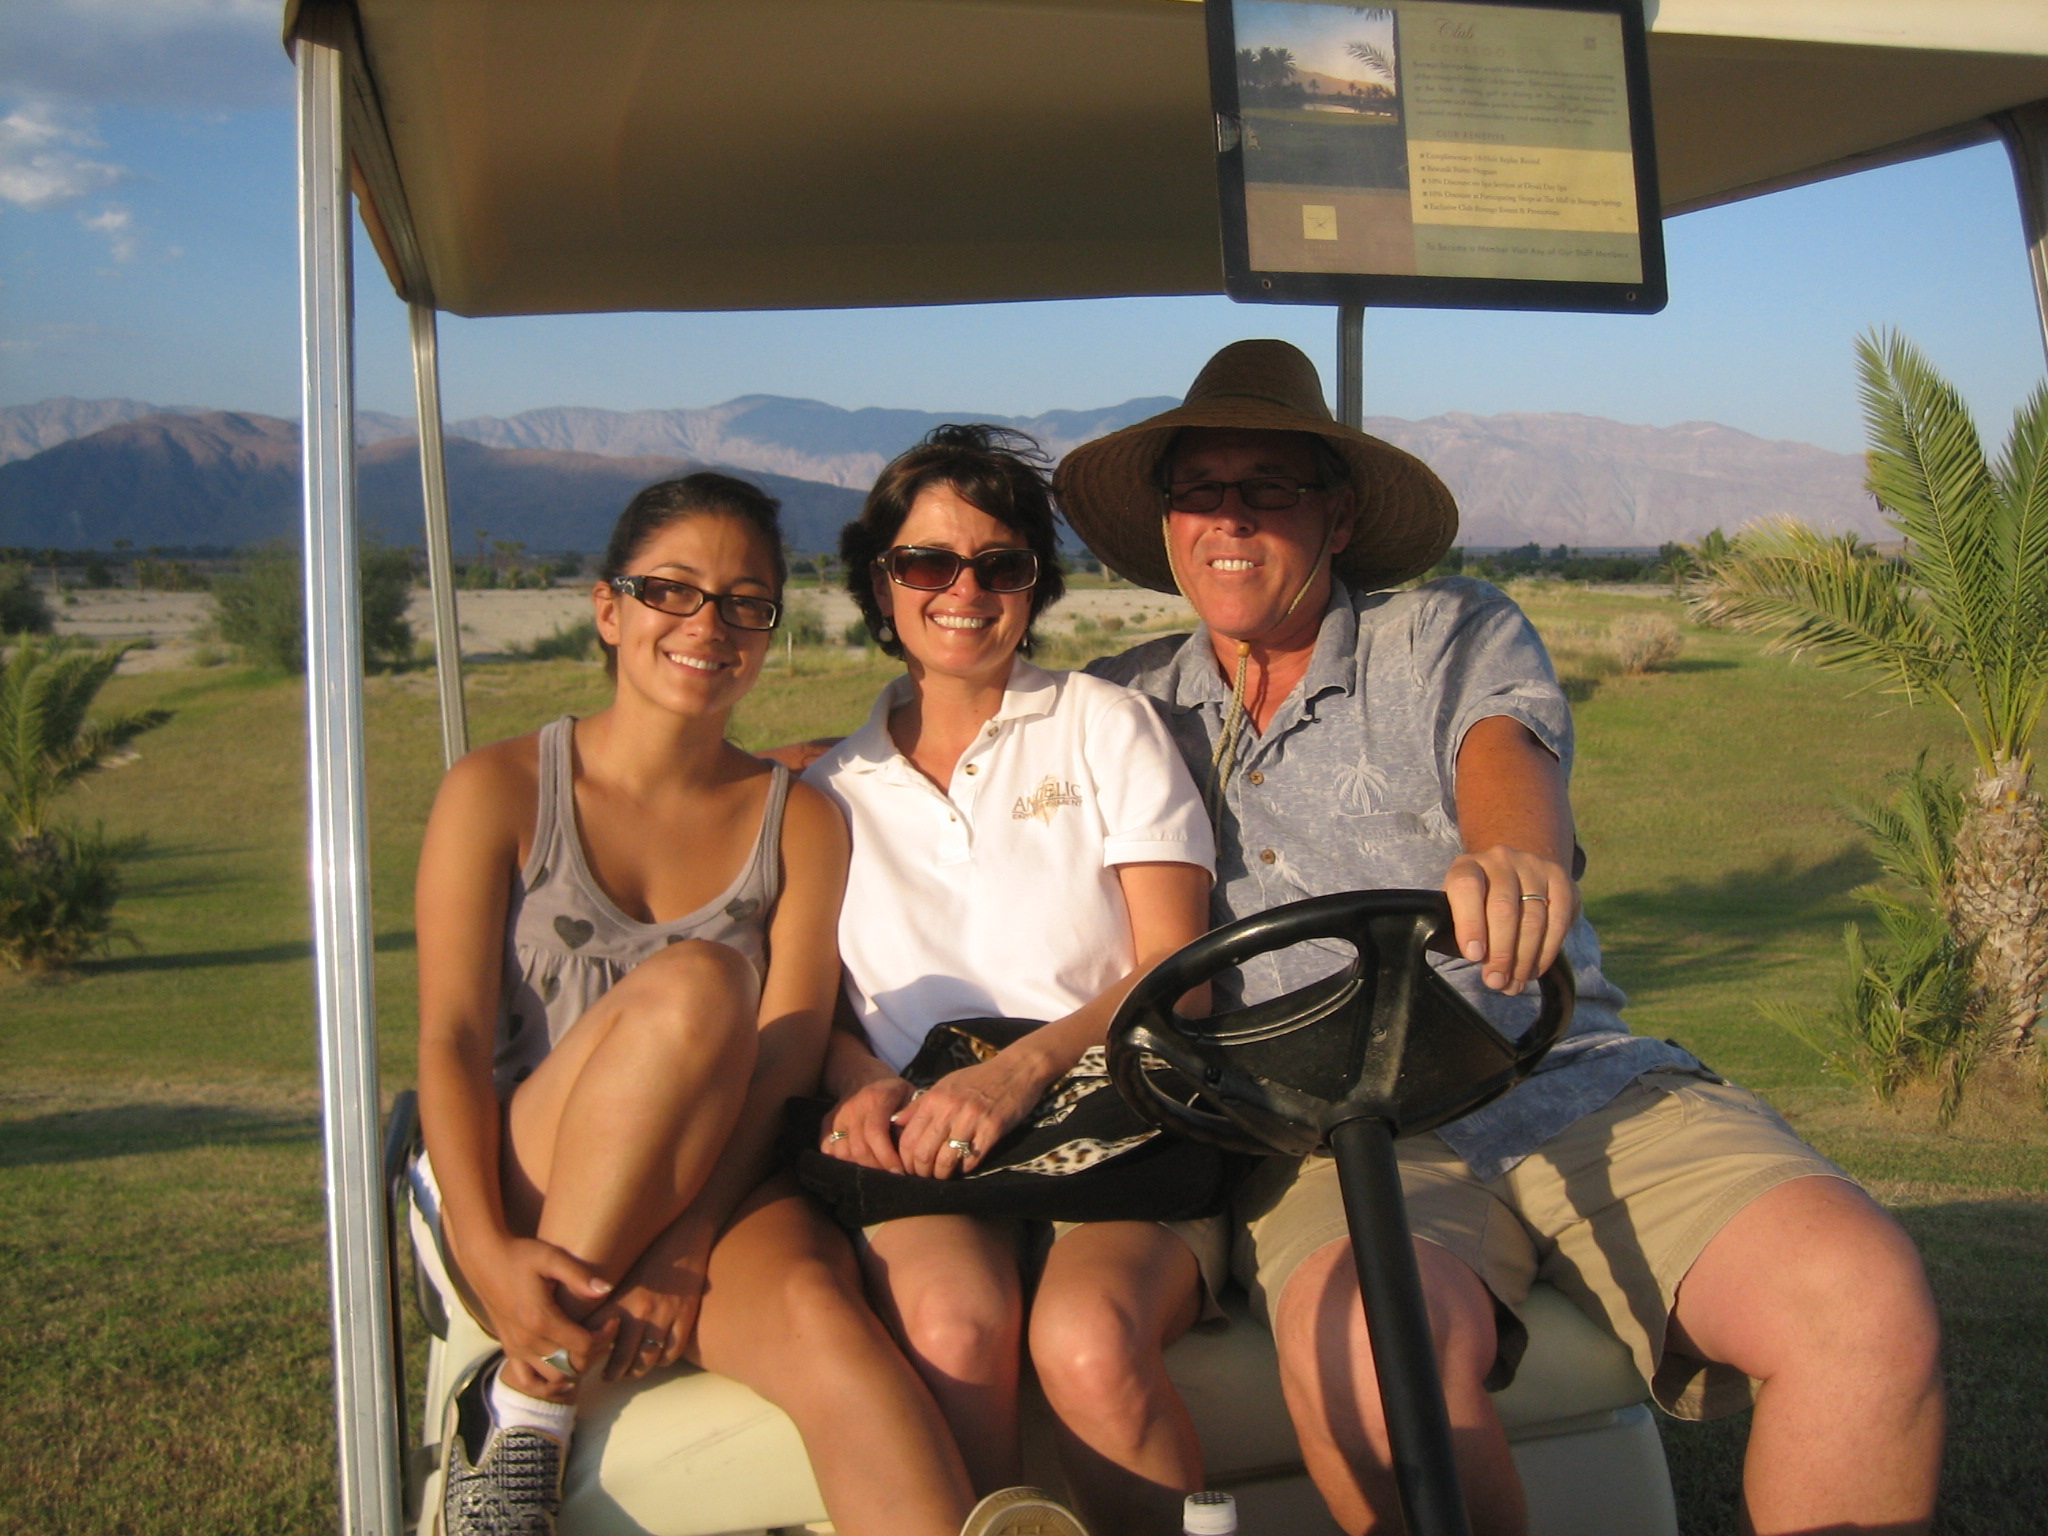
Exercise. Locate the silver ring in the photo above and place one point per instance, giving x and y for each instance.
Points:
(964, 1148)
(560, 1361)
(1535, 898)
(653, 1344)
(835, 1135)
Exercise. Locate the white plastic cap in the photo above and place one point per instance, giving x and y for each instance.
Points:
(1209, 1514)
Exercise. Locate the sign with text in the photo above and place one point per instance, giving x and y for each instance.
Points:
(1484, 154)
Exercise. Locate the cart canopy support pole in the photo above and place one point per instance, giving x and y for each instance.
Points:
(2025, 131)
(358, 1261)
(1351, 365)
(426, 380)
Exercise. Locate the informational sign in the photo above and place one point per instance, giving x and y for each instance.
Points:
(1448, 153)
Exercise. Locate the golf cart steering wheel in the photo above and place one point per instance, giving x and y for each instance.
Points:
(1385, 1038)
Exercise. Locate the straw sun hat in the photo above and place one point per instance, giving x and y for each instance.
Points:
(1110, 494)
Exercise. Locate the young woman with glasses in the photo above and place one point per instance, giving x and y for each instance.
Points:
(1025, 844)
(627, 966)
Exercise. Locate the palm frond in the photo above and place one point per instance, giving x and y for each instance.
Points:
(1928, 471)
(1372, 58)
(2021, 474)
(1827, 595)
(1913, 834)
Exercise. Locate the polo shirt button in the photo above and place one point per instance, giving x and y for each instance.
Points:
(1256, 778)
(973, 768)
(1267, 855)
(991, 731)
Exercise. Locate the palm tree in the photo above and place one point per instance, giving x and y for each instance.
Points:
(1961, 617)
(46, 743)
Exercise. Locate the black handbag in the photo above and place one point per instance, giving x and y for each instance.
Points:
(1082, 1154)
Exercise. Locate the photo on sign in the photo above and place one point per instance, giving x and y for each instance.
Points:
(1325, 149)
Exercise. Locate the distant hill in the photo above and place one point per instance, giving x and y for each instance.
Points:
(555, 478)
(805, 438)
(228, 478)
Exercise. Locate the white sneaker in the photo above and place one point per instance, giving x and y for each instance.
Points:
(1022, 1512)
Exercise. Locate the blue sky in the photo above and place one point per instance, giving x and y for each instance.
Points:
(147, 250)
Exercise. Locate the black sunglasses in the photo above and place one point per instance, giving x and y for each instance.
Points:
(1266, 493)
(682, 600)
(933, 570)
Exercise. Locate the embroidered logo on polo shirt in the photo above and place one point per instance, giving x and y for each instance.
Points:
(1044, 802)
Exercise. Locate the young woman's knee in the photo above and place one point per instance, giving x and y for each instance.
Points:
(695, 994)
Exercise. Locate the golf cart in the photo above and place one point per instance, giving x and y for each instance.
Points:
(539, 156)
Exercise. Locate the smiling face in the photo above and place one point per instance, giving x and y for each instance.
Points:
(964, 631)
(695, 664)
(1242, 569)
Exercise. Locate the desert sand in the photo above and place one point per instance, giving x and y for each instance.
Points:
(173, 627)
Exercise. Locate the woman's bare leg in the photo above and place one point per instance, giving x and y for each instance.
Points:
(616, 1131)
(783, 1313)
(1113, 1296)
(948, 1288)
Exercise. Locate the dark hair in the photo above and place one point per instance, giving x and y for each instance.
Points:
(667, 502)
(995, 470)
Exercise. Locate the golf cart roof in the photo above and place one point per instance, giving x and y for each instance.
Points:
(559, 156)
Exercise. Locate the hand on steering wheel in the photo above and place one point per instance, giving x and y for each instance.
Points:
(1512, 911)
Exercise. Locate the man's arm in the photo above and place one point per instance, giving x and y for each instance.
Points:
(1512, 896)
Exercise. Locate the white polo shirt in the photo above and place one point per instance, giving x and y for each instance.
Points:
(998, 896)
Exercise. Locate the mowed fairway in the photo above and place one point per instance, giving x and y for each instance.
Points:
(162, 1284)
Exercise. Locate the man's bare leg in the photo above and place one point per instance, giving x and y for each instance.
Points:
(1814, 1291)
(1326, 1371)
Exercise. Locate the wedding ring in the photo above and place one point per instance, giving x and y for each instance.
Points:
(560, 1361)
(964, 1148)
(835, 1135)
(652, 1345)
(1535, 898)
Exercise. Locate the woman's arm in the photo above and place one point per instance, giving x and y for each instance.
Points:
(1515, 819)
(1169, 908)
(467, 864)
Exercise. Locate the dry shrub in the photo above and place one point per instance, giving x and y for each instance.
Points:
(1644, 641)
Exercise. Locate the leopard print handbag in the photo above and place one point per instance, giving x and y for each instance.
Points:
(1082, 1154)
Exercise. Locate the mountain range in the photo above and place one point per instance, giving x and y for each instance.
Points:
(82, 473)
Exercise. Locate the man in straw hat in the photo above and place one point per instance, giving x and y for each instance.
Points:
(1353, 736)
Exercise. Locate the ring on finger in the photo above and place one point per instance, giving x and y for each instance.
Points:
(835, 1136)
(560, 1361)
(1528, 897)
(964, 1147)
(653, 1344)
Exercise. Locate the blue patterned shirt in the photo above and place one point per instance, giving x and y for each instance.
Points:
(1351, 787)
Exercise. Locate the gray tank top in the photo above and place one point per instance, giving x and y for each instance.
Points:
(566, 944)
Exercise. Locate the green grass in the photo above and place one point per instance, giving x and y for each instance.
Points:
(162, 1284)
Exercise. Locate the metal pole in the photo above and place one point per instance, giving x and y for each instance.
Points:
(358, 1259)
(426, 380)
(1351, 365)
(2025, 131)
(1397, 1321)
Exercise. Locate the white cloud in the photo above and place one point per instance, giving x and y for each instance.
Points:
(43, 163)
(118, 225)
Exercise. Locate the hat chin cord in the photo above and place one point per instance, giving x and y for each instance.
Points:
(1223, 756)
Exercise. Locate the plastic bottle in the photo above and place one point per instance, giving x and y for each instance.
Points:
(1209, 1514)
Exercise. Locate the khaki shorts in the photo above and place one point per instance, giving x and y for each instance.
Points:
(1612, 1212)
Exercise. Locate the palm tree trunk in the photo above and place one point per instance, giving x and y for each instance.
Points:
(2000, 896)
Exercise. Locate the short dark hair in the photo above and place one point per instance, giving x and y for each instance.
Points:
(995, 470)
(667, 502)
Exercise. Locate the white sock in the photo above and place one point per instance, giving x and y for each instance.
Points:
(513, 1409)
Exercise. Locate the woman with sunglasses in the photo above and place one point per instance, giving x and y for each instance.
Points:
(1025, 844)
(627, 966)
